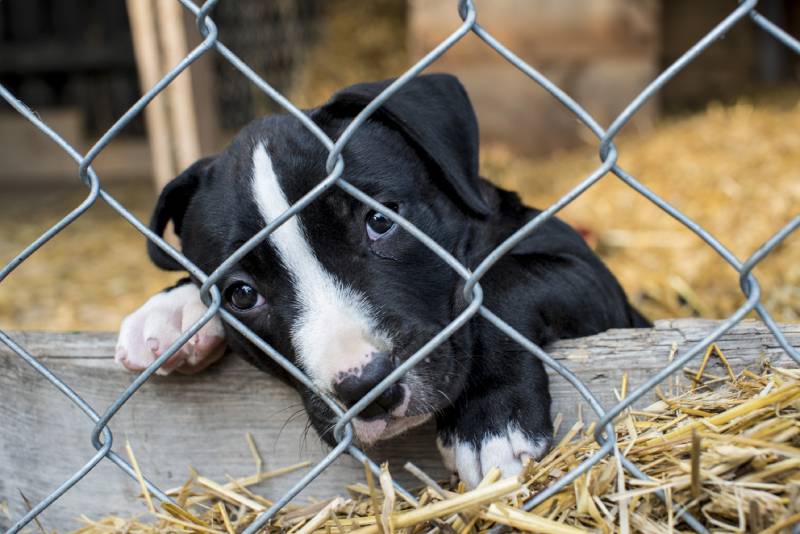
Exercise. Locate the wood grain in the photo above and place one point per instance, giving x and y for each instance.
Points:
(200, 421)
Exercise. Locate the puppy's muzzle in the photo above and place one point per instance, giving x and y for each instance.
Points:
(352, 386)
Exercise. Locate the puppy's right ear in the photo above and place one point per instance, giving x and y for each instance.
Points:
(172, 205)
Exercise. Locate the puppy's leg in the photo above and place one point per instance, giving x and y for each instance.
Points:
(146, 333)
(499, 421)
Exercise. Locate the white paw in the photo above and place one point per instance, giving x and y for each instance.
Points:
(146, 333)
(507, 451)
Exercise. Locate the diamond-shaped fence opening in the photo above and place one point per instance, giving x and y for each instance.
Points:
(608, 169)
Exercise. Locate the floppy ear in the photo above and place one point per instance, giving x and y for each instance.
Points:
(171, 205)
(434, 112)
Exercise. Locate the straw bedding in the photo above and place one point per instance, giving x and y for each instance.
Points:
(726, 447)
(735, 170)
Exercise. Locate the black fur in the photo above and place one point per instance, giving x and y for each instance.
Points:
(420, 150)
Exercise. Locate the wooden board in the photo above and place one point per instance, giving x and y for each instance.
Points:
(200, 421)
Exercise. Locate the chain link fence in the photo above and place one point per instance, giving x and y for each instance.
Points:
(102, 437)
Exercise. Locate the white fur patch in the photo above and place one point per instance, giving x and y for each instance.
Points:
(506, 450)
(334, 331)
(468, 464)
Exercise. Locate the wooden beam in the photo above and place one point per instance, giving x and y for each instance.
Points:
(177, 134)
(180, 92)
(200, 421)
(144, 31)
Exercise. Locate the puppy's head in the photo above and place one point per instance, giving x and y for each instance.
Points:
(340, 289)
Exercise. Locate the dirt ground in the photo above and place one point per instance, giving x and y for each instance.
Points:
(88, 276)
(735, 170)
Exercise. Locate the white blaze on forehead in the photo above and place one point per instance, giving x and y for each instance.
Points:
(334, 330)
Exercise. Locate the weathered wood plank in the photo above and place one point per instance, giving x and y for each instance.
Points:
(200, 421)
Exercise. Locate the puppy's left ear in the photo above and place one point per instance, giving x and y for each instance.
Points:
(434, 112)
(171, 206)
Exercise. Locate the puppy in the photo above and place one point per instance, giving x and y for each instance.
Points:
(347, 295)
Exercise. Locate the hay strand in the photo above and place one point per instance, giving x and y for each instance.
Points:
(132, 458)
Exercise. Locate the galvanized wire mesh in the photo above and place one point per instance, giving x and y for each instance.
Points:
(102, 437)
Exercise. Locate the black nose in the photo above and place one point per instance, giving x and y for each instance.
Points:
(351, 388)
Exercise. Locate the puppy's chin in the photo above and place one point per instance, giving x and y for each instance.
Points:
(382, 427)
(369, 432)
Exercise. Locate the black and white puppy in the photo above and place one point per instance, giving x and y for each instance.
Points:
(348, 295)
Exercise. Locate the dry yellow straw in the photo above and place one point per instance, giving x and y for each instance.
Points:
(319, 519)
(180, 513)
(695, 464)
(787, 393)
(140, 478)
(777, 527)
(225, 519)
(389, 498)
(245, 481)
(373, 497)
(449, 506)
(229, 495)
(251, 444)
(506, 515)
(187, 524)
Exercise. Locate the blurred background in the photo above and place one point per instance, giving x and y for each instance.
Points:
(721, 141)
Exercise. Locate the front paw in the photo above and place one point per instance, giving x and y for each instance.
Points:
(507, 449)
(504, 429)
(149, 331)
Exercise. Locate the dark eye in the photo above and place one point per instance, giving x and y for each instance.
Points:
(378, 224)
(243, 297)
